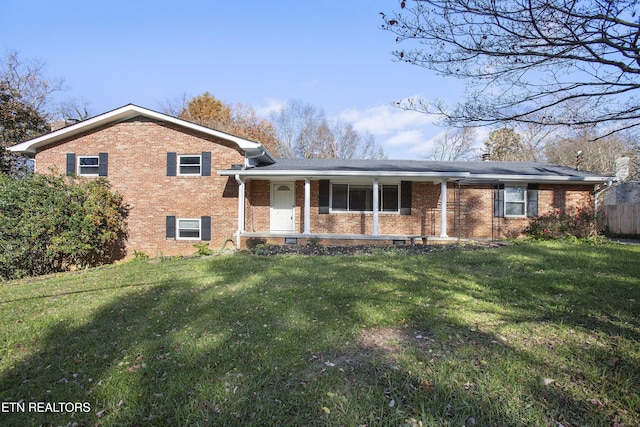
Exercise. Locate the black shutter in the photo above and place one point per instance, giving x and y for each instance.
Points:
(532, 200)
(405, 198)
(205, 228)
(206, 163)
(323, 197)
(71, 164)
(498, 201)
(171, 227)
(103, 164)
(172, 160)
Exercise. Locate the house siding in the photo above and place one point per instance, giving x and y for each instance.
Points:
(137, 169)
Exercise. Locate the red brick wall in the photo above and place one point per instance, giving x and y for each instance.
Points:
(137, 169)
(469, 213)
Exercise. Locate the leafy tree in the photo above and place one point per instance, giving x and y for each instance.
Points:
(505, 144)
(239, 119)
(18, 121)
(304, 131)
(53, 223)
(553, 62)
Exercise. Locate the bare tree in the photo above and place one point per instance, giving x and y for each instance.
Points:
(579, 149)
(75, 109)
(454, 144)
(351, 144)
(522, 58)
(304, 131)
(28, 78)
(297, 127)
(25, 106)
(534, 137)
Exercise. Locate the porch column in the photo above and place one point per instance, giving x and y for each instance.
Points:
(443, 209)
(376, 202)
(240, 210)
(307, 206)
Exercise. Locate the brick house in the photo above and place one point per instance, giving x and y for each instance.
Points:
(187, 183)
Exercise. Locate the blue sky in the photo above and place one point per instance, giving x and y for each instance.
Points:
(331, 54)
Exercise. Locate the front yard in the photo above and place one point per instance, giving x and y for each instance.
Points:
(528, 334)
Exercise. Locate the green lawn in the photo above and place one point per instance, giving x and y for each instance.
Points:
(530, 334)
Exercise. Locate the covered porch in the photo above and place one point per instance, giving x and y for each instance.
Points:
(308, 232)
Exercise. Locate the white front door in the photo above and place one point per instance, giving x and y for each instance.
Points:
(283, 207)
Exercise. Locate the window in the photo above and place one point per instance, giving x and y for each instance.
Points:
(389, 198)
(515, 201)
(359, 197)
(88, 165)
(189, 165)
(188, 228)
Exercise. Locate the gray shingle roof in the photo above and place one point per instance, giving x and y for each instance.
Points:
(467, 170)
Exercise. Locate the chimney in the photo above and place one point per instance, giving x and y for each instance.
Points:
(62, 123)
(57, 124)
(622, 168)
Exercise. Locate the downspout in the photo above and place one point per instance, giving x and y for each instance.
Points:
(241, 190)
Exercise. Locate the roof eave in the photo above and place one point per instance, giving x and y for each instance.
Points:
(550, 179)
(257, 173)
(128, 112)
(427, 176)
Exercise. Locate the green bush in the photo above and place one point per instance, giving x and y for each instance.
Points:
(203, 249)
(579, 223)
(54, 223)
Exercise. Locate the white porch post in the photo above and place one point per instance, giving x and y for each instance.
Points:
(443, 209)
(241, 190)
(307, 206)
(376, 202)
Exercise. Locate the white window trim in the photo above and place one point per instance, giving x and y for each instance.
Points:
(97, 167)
(188, 238)
(524, 202)
(363, 183)
(179, 173)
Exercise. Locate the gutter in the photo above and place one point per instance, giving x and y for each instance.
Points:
(257, 173)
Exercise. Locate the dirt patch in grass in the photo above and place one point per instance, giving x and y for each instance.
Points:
(382, 345)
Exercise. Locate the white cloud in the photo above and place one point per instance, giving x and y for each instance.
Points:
(402, 133)
(385, 119)
(273, 105)
(407, 137)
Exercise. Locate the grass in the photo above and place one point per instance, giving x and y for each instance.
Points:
(529, 334)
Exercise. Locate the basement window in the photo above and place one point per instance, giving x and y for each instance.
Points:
(188, 228)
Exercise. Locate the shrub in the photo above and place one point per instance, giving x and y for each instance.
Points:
(203, 249)
(140, 256)
(579, 223)
(54, 223)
